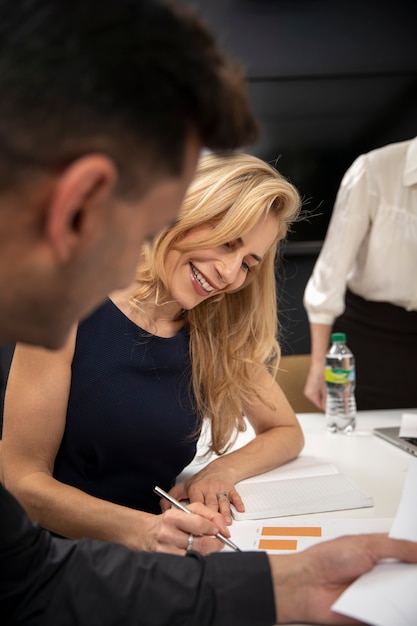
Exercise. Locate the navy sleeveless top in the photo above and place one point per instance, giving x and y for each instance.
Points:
(130, 414)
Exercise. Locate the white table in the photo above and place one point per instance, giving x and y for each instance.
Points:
(378, 467)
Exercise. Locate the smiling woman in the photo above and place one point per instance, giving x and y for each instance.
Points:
(219, 268)
(235, 212)
(194, 337)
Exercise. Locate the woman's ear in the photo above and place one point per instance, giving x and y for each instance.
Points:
(86, 183)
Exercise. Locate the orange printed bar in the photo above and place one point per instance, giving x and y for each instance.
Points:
(277, 544)
(292, 531)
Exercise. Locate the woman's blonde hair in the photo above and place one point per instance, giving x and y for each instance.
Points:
(229, 332)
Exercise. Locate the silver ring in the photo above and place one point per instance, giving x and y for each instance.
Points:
(223, 495)
(190, 542)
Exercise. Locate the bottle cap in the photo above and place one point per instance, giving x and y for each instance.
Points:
(341, 337)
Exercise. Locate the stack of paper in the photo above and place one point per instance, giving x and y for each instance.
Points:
(305, 485)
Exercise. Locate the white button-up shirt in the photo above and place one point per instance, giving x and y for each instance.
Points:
(371, 243)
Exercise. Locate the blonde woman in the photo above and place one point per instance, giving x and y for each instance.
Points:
(120, 407)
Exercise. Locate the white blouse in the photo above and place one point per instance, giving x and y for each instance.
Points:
(371, 243)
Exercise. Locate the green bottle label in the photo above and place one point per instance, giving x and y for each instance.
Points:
(339, 376)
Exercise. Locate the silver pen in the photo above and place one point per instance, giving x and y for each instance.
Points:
(180, 506)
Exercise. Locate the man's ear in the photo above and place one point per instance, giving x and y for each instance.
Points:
(86, 182)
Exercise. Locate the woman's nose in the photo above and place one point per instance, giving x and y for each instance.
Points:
(228, 268)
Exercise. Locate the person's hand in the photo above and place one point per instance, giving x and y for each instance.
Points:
(315, 387)
(176, 532)
(308, 583)
(212, 489)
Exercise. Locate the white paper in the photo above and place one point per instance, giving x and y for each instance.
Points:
(387, 596)
(301, 467)
(405, 522)
(408, 426)
(306, 485)
(248, 534)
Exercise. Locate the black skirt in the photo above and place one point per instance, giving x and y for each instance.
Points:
(383, 339)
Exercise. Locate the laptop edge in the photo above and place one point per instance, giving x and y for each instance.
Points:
(391, 434)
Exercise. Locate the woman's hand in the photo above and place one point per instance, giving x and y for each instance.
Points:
(212, 489)
(176, 532)
(315, 387)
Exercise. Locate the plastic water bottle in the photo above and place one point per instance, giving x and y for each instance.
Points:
(340, 383)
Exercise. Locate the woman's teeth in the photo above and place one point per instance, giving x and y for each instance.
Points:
(202, 281)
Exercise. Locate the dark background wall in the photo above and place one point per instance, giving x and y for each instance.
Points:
(328, 81)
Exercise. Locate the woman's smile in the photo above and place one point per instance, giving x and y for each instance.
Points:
(200, 283)
(194, 275)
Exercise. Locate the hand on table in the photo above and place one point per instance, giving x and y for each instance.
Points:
(308, 583)
(176, 532)
(211, 489)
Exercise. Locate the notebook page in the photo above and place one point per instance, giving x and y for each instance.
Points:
(302, 466)
(298, 496)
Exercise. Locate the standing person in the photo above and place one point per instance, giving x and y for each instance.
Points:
(119, 409)
(364, 282)
(74, 210)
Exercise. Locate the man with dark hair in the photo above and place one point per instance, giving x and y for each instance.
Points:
(114, 91)
(104, 107)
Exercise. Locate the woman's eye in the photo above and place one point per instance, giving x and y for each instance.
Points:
(230, 245)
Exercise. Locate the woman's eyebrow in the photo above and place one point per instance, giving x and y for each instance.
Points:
(254, 256)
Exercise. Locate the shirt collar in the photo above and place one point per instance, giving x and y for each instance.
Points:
(410, 169)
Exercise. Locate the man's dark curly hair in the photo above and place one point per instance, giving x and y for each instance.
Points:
(128, 78)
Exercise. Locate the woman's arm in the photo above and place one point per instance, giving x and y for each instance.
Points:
(278, 439)
(34, 421)
(315, 386)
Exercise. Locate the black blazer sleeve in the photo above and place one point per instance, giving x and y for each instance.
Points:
(48, 581)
